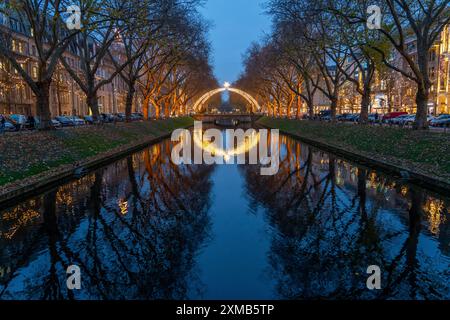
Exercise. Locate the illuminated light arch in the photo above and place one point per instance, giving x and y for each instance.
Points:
(201, 101)
(248, 145)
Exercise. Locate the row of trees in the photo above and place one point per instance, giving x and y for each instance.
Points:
(320, 46)
(157, 47)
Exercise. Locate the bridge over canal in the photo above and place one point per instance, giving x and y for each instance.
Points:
(227, 119)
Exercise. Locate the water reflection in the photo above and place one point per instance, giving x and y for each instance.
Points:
(335, 219)
(144, 228)
(133, 228)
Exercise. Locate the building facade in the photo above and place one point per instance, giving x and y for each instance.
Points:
(392, 91)
(66, 97)
(443, 73)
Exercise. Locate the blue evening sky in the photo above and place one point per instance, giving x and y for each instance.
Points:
(235, 25)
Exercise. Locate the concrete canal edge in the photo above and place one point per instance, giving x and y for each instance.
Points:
(69, 172)
(406, 174)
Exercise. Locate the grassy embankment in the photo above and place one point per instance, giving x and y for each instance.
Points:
(422, 152)
(26, 154)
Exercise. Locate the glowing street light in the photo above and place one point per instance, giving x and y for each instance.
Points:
(227, 85)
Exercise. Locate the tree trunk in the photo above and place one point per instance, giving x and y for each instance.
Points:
(299, 106)
(92, 102)
(166, 110)
(310, 109)
(365, 104)
(129, 101)
(289, 106)
(423, 88)
(146, 108)
(43, 105)
(334, 104)
(157, 109)
(422, 98)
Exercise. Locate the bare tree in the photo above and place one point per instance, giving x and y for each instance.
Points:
(172, 63)
(293, 52)
(99, 41)
(43, 21)
(166, 25)
(412, 27)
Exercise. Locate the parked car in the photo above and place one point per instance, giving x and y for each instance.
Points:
(412, 118)
(353, 118)
(405, 120)
(430, 118)
(348, 116)
(399, 120)
(136, 117)
(56, 124)
(375, 117)
(89, 119)
(441, 121)
(325, 115)
(17, 125)
(65, 122)
(107, 117)
(120, 116)
(392, 115)
(77, 121)
(9, 127)
(445, 123)
(19, 120)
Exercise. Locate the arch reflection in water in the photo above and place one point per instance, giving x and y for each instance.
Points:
(144, 228)
(229, 149)
(133, 228)
(334, 219)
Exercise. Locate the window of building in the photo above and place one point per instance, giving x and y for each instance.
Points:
(34, 72)
(23, 66)
(14, 24)
(433, 56)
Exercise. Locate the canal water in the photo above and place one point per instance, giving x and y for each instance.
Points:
(144, 228)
